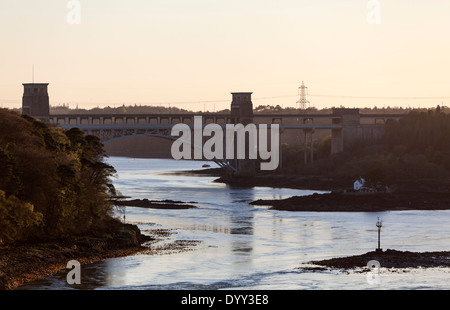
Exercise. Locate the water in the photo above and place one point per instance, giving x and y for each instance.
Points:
(250, 247)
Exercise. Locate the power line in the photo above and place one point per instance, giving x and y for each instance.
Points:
(149, 103)
(380, 98)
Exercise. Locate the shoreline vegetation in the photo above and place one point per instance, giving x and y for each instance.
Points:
(55, 203)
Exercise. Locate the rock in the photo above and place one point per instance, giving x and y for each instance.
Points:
(145, 203)
(390, 259)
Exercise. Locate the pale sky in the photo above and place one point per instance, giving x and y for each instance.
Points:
(193, 53)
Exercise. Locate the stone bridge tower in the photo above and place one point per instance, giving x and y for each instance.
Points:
(35, 101)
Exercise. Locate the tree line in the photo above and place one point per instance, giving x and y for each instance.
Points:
(168, 109)
(54, 183)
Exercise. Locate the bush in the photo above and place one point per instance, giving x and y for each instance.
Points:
(17, 219)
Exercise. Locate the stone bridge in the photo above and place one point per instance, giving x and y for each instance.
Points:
(347, 126)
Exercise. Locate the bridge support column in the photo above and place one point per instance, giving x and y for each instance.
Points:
(242, 107)
(308, 135)
(305, 155)
(308, 120)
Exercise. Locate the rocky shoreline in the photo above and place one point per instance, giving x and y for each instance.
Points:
(405, 194)
(23, 263)
(284, 180)
(155, 204)
(362, 202)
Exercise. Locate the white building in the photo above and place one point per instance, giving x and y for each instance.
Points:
(359, 184)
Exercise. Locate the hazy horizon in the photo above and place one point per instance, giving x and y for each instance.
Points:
(192, 54)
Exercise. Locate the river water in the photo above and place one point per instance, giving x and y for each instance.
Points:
(241, 246)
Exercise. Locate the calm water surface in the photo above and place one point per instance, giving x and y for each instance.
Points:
(250, 247)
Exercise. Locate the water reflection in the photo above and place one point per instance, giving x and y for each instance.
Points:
(219, 229)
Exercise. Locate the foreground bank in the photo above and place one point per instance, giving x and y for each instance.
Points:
(23, 263)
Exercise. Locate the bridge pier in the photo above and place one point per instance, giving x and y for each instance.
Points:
(352, 130)
(308, 136)
(347, 135)
(242, 108)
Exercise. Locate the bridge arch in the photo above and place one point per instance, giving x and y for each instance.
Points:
(146, 134)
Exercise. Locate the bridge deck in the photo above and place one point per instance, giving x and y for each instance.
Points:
(166, 121)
